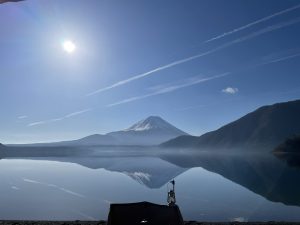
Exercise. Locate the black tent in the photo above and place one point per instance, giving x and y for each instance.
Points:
(144, 213)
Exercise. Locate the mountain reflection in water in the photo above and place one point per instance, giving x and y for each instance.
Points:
(202, 193)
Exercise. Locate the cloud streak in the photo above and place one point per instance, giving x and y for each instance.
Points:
(281, 59)
(77, 113)
(162, 89)
(253, 23)
(181, 61)
(170, 88)
(60, 118)
(37, 123)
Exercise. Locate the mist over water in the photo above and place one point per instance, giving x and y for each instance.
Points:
(209, 186)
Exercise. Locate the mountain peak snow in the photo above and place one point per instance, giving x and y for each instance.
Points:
(151, 122)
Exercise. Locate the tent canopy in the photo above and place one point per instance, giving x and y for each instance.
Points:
(145, 213)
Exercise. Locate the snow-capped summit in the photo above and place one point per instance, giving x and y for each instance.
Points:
(152, 122)
(150, 131)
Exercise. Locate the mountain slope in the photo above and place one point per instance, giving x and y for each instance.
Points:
(265, 127)
(95, 139)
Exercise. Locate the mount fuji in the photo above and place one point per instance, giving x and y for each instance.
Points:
(150, 131)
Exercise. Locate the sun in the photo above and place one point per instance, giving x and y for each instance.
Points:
(69, 46)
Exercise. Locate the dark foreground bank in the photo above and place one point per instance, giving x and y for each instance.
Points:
(12, 222)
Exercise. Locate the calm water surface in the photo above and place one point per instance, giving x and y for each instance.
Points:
(208, 187)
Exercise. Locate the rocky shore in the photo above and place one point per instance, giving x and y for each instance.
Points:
(11, 222)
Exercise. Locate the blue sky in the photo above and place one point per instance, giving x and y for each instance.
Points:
(197, 64)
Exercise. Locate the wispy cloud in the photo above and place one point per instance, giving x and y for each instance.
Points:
(181, 61)
(77, 113)
(56, 119)
(280, 59)
(60, 118)
(22, 117)
(230, 90)
(266, 30)
(270, 59)
(15, 188)
(170, 88)
(139, 76)
(37, 123)
(253, 23)
(161, 89)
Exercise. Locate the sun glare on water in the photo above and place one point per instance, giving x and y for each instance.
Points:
(69, 46)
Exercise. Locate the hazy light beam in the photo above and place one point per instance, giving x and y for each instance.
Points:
(178, 62)
(253, 23)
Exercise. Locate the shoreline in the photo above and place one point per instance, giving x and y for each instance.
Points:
(101, 222)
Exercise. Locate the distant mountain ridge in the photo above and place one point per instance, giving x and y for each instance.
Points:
(150, 131)
(265, 127)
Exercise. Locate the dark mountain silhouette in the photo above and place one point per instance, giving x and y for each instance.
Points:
(263, 174)
(264, 128)
(150, 131)
(2, 147)
(291, 159)
(290, 145)
(289, 151)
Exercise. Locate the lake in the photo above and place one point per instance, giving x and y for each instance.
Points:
(209, 187)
